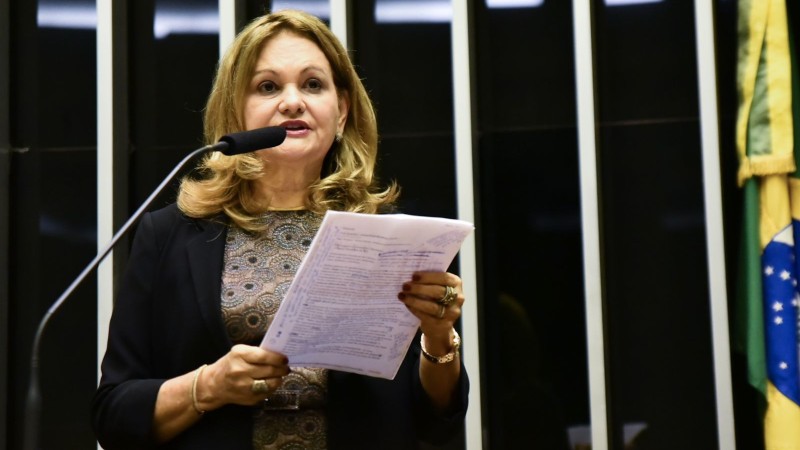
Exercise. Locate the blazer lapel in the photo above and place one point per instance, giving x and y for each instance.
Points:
(205, 253)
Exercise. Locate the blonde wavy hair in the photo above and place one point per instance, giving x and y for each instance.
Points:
(347, 181)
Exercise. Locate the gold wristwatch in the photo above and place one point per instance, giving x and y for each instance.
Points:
(444, 358)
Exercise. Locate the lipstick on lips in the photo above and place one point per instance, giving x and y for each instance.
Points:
(296, 128)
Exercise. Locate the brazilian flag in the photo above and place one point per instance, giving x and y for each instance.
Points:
(766, 133)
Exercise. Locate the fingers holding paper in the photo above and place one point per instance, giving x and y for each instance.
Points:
(436, 299)
(246, 375)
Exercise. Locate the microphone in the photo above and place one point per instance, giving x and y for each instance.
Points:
(252, 140)
(230, 144)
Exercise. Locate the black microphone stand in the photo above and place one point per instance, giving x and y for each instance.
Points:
(34, 400)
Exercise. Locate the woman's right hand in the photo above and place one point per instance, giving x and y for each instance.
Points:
(182, 400)
(232, 379)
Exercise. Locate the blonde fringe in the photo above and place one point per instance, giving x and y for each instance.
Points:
(762, 165)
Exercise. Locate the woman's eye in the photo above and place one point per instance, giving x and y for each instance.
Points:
(267, 87)
(314, 84)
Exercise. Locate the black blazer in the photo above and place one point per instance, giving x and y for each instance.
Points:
(167, 321)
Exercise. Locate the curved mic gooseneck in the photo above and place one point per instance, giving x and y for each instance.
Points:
(230, 144)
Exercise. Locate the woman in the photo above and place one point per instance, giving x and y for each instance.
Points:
(183, 368)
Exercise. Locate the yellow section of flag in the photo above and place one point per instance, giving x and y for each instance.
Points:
(782, 422)
(764, 124)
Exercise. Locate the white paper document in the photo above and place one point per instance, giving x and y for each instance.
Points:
(341, 311)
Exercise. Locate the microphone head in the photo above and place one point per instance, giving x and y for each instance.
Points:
(252, 140)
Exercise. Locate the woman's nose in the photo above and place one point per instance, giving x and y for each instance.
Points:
(291, 101)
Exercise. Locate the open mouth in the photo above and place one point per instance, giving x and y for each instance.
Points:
(295, 126)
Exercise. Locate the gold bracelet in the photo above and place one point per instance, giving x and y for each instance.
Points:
(194, 389)
(444, 358)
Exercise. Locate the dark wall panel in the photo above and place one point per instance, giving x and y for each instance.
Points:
(532, 306)
(414, 103)
(52, 223)
(54, 238)
(527, 188)
(170, 79)
(5, 195)
(660, 366)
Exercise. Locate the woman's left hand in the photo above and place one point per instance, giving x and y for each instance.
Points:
(436, 298)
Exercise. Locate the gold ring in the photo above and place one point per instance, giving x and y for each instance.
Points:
(441, 311)
(260, 387)
(449, 296)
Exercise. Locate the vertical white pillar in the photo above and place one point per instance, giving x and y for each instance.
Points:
(227, 24)
(715, 245)
(462, 111)
(105, 172)
(339, 24)
(590, 219)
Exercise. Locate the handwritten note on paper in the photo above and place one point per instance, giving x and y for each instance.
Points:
(341, 311)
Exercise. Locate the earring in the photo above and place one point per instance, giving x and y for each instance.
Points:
(339, 137)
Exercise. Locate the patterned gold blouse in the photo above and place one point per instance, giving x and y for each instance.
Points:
(258, 271)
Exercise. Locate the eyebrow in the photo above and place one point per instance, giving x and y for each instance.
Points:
(311, 68)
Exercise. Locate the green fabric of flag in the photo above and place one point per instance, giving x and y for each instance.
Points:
(766, 311)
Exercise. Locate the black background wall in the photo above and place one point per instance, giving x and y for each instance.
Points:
(5, 157)
(527, 187)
